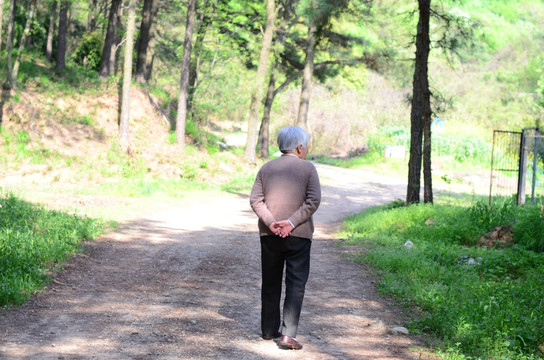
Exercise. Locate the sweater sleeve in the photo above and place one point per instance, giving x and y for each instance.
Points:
(256, 200)
(312, 201)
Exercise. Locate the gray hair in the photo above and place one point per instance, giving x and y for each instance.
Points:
(292, 136)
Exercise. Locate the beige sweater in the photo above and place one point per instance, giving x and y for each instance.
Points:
(286, 188)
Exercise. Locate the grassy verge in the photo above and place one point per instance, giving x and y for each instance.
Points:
(479, 292)
(33, 243)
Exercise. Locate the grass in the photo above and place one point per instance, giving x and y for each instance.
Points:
(34, 242)
(480, 302)
(137, 187)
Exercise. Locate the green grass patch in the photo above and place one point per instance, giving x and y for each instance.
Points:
(481, 301)
(450, 152)
(33, 243)
(239, 184)
(141, 187)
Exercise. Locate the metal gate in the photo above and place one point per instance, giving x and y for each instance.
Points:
(531, 169)
(504, 164)
(516, 161)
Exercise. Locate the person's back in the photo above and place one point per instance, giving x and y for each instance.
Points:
(287, 183)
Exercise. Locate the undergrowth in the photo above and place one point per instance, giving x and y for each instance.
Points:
(482, 299)
(33, 243)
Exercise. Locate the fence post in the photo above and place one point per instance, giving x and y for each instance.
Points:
(522, 170)
(492, 164)
(535, 164)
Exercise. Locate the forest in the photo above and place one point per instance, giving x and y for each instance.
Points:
(133, 98)
(345, 70)
(485, 60)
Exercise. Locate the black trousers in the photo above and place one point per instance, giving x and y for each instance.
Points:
(293, 253)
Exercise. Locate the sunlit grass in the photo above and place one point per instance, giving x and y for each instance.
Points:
(34, 242)
(480, 302)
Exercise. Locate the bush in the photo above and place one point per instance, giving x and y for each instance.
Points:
(529, 229)
(89, 51)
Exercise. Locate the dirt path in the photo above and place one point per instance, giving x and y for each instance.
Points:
(185, 284)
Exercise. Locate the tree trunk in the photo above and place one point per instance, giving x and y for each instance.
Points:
(264, 132)
(107, 62)
(26, 32)
(127, 77)
(51, 31)
(253, 121)
(420, 113)
(195, 58)
(9, 46)
(1, 20)
(306, 86)
(184, 83)
(143, 41)
(91, 21)
(63, 27)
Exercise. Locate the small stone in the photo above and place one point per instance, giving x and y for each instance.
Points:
(399, 330)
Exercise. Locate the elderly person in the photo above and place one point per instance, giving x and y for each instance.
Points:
(285, 195)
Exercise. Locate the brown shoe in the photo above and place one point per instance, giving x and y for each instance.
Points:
(290, 342)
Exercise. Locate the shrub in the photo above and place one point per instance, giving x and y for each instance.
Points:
(89, 51)
(529, 229)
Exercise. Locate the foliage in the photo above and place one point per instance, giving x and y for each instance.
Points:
(529, 230)
(33, 243)
(540, 85)
(461, 148)
(481, 302)
(89, 51)
(228, 98)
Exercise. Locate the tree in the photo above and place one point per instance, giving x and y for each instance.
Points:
(50, 31)
(107, 62)
(9, 46)
(264, 132)
(142, 60)
(305, 88)
(91, 12)
(124, 123)
(319, 13)
(420, 102)
(63, 27)
(449, 38)
(184, 82)
(1, 20)
(256, 97)
(26, 32)
(196, 54)
(288, 67)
